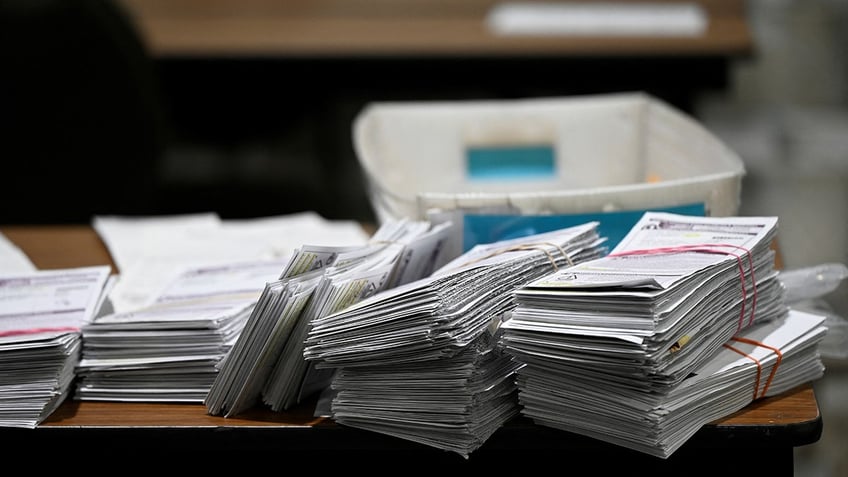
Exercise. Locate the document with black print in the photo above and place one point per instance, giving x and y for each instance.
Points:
(679, 283)
(764, 360)
(169, 350)
(420, 361)
(266, 364)
(41, 316)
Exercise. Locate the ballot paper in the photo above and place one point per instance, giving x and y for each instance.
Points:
(44, 302)
(149, 251)
(266, 363)
(41, 316)
(169, 350)
(420, 361)
(766, 359)
(454, 404)
(660, 304)
(436, 316)
(642, 323)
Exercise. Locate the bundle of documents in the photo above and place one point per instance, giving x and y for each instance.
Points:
(40, 339)
(150, 250)
(453, 403)
(659, 305)
(267, 360)
(764, 360)
(639, 322)
(169, 350)
(420, 361)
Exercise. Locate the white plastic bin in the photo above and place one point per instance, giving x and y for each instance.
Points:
(590, 154)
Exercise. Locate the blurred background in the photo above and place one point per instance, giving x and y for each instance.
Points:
(785, 113)
(245, 108)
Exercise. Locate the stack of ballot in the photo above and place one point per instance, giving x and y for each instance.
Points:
(186, 287)
(641, 325)
(40, 339)
(267, 360)
(764, 360)
(169, 350)
(421, 362)
(150, 250)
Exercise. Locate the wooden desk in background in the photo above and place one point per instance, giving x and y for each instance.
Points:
(406, 28)
(260, 95)
(759, 439)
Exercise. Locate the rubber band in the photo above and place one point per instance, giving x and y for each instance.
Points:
(708, 248)
(777, 352)
(32, 331)
(759, 365)
(527, 246)
(561, 252)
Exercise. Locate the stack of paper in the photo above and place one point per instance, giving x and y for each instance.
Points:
(659, 305)
(267, 360)
(420, 361)
(169, 350)
(454, 403)
(149, 251)
(764, 360)
(40, 338)
(641, 321)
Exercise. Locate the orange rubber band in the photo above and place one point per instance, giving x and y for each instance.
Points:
(759, 365)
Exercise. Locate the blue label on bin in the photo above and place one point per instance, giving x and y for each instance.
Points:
(479, 229)
(511, 162)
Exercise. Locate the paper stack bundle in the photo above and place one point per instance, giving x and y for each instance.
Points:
(764, 360)
(641, 322)
(40, 339)
(169, 350)
(420, 361)
(267, 360)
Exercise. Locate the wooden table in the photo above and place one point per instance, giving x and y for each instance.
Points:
(357, 28)
(760, 438)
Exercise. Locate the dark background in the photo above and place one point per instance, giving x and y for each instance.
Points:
(92, 124)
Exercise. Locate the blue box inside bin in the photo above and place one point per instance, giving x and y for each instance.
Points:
(486, 228)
